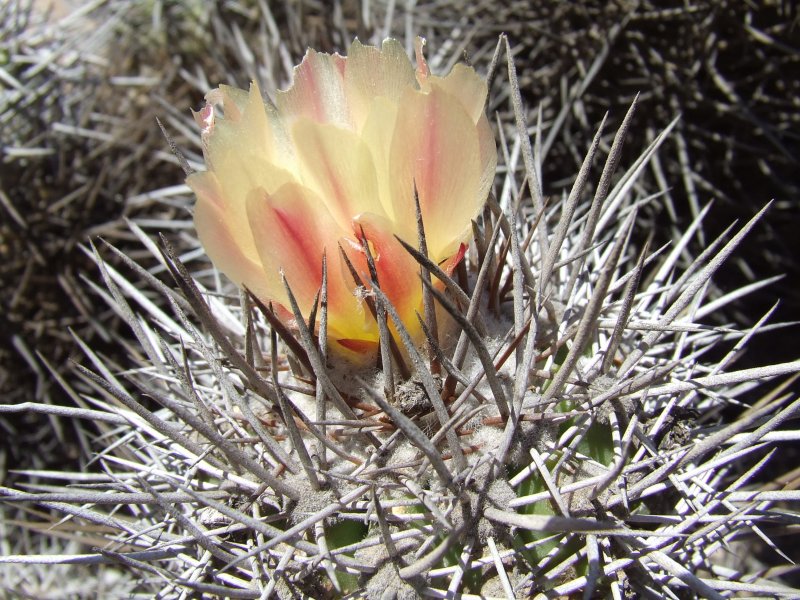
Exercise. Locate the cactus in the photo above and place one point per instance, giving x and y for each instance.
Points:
(566, 437)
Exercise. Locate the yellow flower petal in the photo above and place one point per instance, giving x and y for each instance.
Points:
(317, 90)
(338, 166)
(221, 236)
(423, 72)
(378, 131)
(397, 269)
(237, 147)
(436, 146)
(249, 128)
(464, 84)
(375, 73)
(292, 230)
(335, 159)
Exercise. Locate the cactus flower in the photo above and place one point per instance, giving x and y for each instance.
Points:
(334, 157)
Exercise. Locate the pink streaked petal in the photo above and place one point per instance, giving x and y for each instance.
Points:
(338, 166)
(238, 171)
(317, 90)
(423, 72)
(398, 272)
(363, 347)
(292, 230)
(449, 264)
(221, 238)
(436, 146)
(287, 240)
(233, 99)
(205, 119)
(372, 73)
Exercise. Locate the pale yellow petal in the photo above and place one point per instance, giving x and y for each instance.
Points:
(247, 126)
(423, 72)
(317, 90)
(238, 174)
(371, 73)
(436, 147)
(239, 144)
(338, 166)
(464, 84)
(292, 231)
(220, 235)
(378, 131)
(488, 155)
(236, 99)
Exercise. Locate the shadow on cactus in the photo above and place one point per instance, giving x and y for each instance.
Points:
(436, 396)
